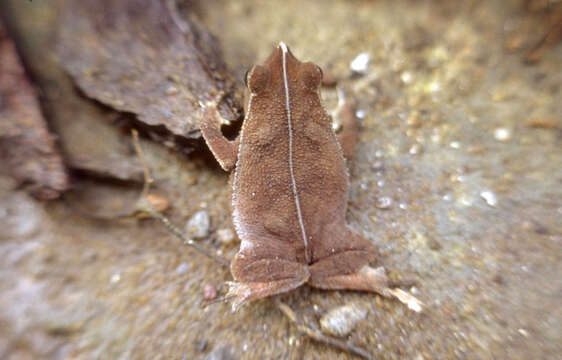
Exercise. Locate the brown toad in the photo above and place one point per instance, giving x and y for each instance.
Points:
(290, 188)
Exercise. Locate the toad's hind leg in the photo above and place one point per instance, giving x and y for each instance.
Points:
(349, 270)
(259, 277)
(368, 279)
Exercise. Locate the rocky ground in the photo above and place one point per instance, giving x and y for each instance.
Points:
(456, 179)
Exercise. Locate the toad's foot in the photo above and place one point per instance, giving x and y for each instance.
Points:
(368, 279)
(242, 293)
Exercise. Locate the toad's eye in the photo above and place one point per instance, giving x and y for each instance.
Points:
(257, 79)
(311, 75)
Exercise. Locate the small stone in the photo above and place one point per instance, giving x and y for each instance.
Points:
(378, 165)
(209, 292)
(455, 144)
(360, 114)
(502, 134)
(172, 90)
(225, 236)
(115, 278)
(342, 320)
(416, 149)
(489, 197)
(360, 63)
(434, 87)
(406, 77)
(383, 202)
(182, 268)
(199, 224)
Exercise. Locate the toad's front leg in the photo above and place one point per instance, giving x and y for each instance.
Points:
(224, 150)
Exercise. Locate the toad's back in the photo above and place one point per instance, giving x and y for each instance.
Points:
(290, 180)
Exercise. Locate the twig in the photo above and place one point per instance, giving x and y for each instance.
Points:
(317, 335)
(146, 170)
(144, 205)
(307, 330)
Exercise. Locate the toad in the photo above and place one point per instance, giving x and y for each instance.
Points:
(290, 187)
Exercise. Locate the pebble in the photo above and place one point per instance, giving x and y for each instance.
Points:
(182, 268)
(455, 144)
(342, 320)
(225, 236)
(502, 134)
(406, 77)
(434, 87)
(209, 292)
(378, 165)
(489, 197)
(383, 202)
(360, 114)
(115, 278)
(360, 63)
(415, 149)
(172, 90)
(199, 224)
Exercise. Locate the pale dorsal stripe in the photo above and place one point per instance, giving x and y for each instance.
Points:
(291, 166)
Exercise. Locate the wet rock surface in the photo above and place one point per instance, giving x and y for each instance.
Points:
(157, 63)
(475, 218)
(90, 136)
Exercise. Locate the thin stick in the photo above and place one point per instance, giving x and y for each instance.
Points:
(144, 205)
(146, 170)
(317, 335)
(307, 330)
